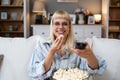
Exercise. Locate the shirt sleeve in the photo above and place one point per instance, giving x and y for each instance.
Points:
(102, 66)
(36, 67)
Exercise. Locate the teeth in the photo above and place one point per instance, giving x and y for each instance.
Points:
(61, 32)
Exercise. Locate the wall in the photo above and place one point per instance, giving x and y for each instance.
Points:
(51, 5)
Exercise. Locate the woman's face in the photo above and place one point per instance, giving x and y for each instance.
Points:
(61, 27)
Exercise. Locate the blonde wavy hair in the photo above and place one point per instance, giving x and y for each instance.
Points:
(61, 14)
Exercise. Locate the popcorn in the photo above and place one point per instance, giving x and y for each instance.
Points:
(70, 74)
(61, 36)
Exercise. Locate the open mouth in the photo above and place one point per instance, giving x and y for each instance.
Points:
(60, 32)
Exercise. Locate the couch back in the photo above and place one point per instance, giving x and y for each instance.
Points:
(17, 53)
(109, 49)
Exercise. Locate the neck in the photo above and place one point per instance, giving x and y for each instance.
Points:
(64, 41)
(61, 51)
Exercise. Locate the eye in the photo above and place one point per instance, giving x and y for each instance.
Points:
(57, 23)
(64, 23)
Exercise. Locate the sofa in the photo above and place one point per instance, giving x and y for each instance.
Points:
(17, 53)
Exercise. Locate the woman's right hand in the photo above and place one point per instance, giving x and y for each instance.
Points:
(57, 44)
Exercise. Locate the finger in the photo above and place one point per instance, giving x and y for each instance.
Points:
(60, 42)
(79, 51)
(86, 42)
(55, 43)
(57, 40)
(87, 45)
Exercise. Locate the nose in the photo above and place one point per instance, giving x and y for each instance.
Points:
(61, 26)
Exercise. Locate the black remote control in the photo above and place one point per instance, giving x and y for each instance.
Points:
(80, 45)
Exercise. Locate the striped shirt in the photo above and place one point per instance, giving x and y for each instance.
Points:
(36, 66)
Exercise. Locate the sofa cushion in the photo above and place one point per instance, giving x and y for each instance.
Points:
(17, 53)
(109, 49)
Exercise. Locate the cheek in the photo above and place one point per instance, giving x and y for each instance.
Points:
(54, 31)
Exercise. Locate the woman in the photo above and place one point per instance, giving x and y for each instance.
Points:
(58, 51)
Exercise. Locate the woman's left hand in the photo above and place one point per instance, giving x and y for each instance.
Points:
(85, 53)
(88, 55)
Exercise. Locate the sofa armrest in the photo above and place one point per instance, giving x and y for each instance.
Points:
(1, 58)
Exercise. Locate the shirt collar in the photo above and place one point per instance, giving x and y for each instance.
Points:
(48, 40)
(58, 56)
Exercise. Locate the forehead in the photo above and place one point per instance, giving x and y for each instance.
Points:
(60, 20)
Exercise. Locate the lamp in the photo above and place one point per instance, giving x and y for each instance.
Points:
(38, 9)
(97, 18)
